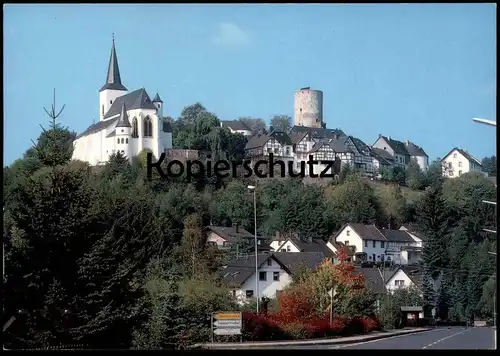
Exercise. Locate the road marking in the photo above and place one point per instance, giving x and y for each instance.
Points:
(385, 338)
(444, 338)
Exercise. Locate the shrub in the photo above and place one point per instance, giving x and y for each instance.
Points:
(370, 324)
(256, 327)
(296, 331)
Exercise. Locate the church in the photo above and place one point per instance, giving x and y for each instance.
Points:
(129, 122)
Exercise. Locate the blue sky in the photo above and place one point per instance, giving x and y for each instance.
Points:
(417, 72)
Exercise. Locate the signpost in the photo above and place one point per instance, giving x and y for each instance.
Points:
(227, 323)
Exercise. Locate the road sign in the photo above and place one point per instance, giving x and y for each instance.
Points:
(226, 332)
(433, 311)
(228, 323)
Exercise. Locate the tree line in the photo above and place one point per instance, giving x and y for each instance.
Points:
(103, 257)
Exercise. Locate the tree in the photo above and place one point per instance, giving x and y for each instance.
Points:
(415, 178)
(393, 205)
(191, 248)
(490, 165)
(258, 126)
(281, 123)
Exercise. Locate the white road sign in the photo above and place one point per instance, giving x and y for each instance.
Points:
(227, 331)
(228, 324)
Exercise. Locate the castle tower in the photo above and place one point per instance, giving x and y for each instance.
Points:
(113, 87)
(308, 108)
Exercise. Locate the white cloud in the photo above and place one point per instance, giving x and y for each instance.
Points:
(229, 34)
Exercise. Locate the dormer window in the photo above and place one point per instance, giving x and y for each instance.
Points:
(111, 101)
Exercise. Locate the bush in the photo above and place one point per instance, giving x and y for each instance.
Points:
(297, 331)
(259, 328)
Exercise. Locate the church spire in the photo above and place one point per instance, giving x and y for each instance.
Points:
(113, 80)
(123, 120)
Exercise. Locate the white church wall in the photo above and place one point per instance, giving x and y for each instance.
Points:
(106, 99)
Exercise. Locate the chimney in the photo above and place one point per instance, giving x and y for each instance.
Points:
(407, 142)
(235, 225)
(379, 135)
(278, 236)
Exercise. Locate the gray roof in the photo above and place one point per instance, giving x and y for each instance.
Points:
(466, 154)
(314, 245)
(360, 145)
(293, 261)
(138, 99)
(319, 145)
(157, 99)
(381, 155)
(317, 132)
(339, 144)
(396, 235)
(261, 140)
(113, 79)
(297, 137)
(398, 146)
(123, 120)
(236, 125)
(101, 125)
(373, 279)
(365, 232)
(415, 150)
(229, 233)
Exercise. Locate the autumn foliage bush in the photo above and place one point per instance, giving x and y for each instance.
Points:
(299, 316)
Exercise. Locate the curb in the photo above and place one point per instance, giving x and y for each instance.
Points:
(277, 344)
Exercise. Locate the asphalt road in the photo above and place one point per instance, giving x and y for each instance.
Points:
(454, 338)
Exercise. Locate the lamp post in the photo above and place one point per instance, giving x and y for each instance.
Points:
(252, 188)
(485, 121)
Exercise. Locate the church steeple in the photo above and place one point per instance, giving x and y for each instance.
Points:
(113, 80)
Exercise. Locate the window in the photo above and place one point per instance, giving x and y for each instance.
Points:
(454, 155)
(159, 106)
(148, 127)
(117, 140)
(288, 151)
(262, 276)
(399, 283)
(276, 276)
(366, 243)
(374, 243)
(288, 248)
(459, 173)
(135, 131)
(460, 164)
(249, 293)
(451, 173)
(111, 101)
(269, 262)
(382, 244)
(269, 150)
(283, 250)
(123, 141)
(346, 243)
(348, 233)
(121, 130)
(126, 140)
(234, 293)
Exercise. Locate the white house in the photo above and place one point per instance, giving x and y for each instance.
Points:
(418, 155)
(224, 237)
(403, 277)
(376, 245)
(274, 273)
(458, 162)
(237, 126)
(295, 243)
(128, 122)
(395, 148)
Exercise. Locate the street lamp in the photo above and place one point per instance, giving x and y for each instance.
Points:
(252, 188)
(484, 121)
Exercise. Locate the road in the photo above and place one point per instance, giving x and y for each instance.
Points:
(455, 338)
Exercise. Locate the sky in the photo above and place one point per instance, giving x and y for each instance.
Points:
(419, 72)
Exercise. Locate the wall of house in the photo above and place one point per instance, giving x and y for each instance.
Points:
(288, 246)
(214, 238)
(399, 280)
(383, 145)
(267, 288)
(423, 162)
(455, 164)
(349, 237)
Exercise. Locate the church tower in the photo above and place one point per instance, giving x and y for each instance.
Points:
(113, 87)
(158, 103)
(123, 132)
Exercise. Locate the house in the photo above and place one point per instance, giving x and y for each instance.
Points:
(317, 133)
(396, 149)
(278, 143)
(237, 126)
(274, 273)
(417, 155)
(342, 150)
(362, 156)
(297, 244)
(381, 159)
(403, 277)
(458, 162)
(224, 237)
(371, 244)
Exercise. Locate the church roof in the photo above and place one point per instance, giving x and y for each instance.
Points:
(157, 99)
(138, 99)
(113, 80)
(123, 120)
(101, 125)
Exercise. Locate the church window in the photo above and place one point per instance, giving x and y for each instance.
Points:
(126, 140)
(118, 140)
(148, 127)
(123, 141)
(103, 109)
(111, 101)
(135, 131)
(159, 106)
